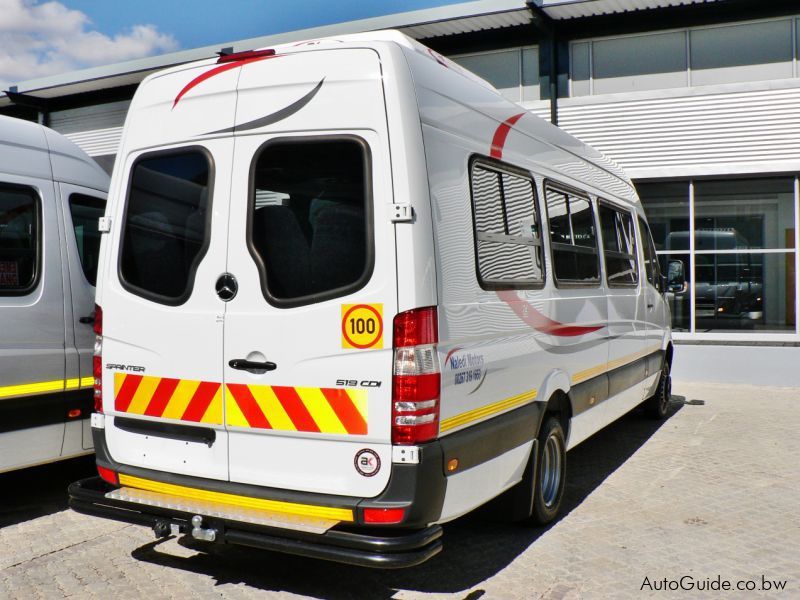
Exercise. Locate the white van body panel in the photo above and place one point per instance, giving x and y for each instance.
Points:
(425, 121)
(45, 352)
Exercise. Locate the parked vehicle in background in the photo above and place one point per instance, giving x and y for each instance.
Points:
(349, 293)
(51, 196)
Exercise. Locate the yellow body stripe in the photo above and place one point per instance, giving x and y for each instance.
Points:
(119, 379)
(180, 399)
(486, 411)
(290, 508)
(144, 393)
(273, 410)
(320, 410)
(42, 387)
(581, 376)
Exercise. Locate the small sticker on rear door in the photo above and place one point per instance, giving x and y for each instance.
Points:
(362, 326)
(367, 462)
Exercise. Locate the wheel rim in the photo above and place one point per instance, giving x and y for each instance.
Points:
(551, 470)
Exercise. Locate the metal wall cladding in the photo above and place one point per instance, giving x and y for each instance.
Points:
(750, 129)
(96, 129)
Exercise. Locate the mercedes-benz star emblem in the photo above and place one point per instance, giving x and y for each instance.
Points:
(227, 287)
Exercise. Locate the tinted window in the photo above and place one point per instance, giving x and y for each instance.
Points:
(650, 258)
(19, 239)
(309, 219)
(619, 246)
(166, 225)
(85, 211)
(573, 238)
(508, 243)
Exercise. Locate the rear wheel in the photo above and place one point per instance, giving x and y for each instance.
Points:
(657, 406)
(551, 470)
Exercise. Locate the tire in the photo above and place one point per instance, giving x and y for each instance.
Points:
(551, 471)
(657, 406)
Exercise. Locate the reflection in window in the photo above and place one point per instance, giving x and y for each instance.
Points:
(85, 212)
(19, 233)
(619, 246)
(166, 224)
(573, 238)
(309, 218)
(508, 244)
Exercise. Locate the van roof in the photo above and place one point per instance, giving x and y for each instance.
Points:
(542, 130)
(32, 150)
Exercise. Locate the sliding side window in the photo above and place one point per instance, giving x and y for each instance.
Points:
(167, 222)
(573, 238)
(619, 246)
(507, 232)
(310, 216)
(19, 239)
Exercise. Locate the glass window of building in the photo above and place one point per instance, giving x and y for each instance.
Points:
(743, 260)
(514, 72)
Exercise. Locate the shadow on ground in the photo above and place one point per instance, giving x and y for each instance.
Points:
(475, 549)
(38, 491)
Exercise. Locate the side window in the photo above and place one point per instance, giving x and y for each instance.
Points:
(167, 220)
(573, 238)
(85, 211)
(619, 246)
(650, 258)
(310, 216)
(507, 234)
(20, 225)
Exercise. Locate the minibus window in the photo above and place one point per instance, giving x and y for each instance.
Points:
(619, 246)
(507, 237)
(310, 212)
(167, 220)
(85, 212)
(650, 258)
(573, 238)
(19, 239)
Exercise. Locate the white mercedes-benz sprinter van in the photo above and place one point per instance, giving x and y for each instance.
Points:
(51, 195)
(348, 293)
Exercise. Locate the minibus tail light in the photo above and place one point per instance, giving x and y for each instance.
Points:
(97, 359)
(416, 378)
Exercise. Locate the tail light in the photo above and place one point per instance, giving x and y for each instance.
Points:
(416, 379)
(108, 475)
(97, 359)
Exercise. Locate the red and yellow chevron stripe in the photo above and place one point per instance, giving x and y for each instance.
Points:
(312, 410)
(280, 408)
(182, 399)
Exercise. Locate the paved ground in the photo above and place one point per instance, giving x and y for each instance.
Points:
(713, 491)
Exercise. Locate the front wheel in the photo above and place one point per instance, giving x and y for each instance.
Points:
(657, 406)
(551, 471)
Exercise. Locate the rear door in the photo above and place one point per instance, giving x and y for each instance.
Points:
(162, 318)
(308, 359)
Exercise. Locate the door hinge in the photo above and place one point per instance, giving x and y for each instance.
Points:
(104, 224)
(402, 213)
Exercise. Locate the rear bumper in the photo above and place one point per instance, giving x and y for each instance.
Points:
(391, 549)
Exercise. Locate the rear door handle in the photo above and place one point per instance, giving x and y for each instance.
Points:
(252, 366)
(88, 320)
(650, 305)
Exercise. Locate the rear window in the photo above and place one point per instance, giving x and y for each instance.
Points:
(310, 210)
(85, 212)
(19, 239)
(167, 220)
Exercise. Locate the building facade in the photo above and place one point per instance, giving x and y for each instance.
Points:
(698, 100)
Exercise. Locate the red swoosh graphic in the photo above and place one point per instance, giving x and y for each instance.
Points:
(216, 71)
(500, 135)
(449, 354)
(533, 318)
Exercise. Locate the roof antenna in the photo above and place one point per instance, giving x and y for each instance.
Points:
(225, 51)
